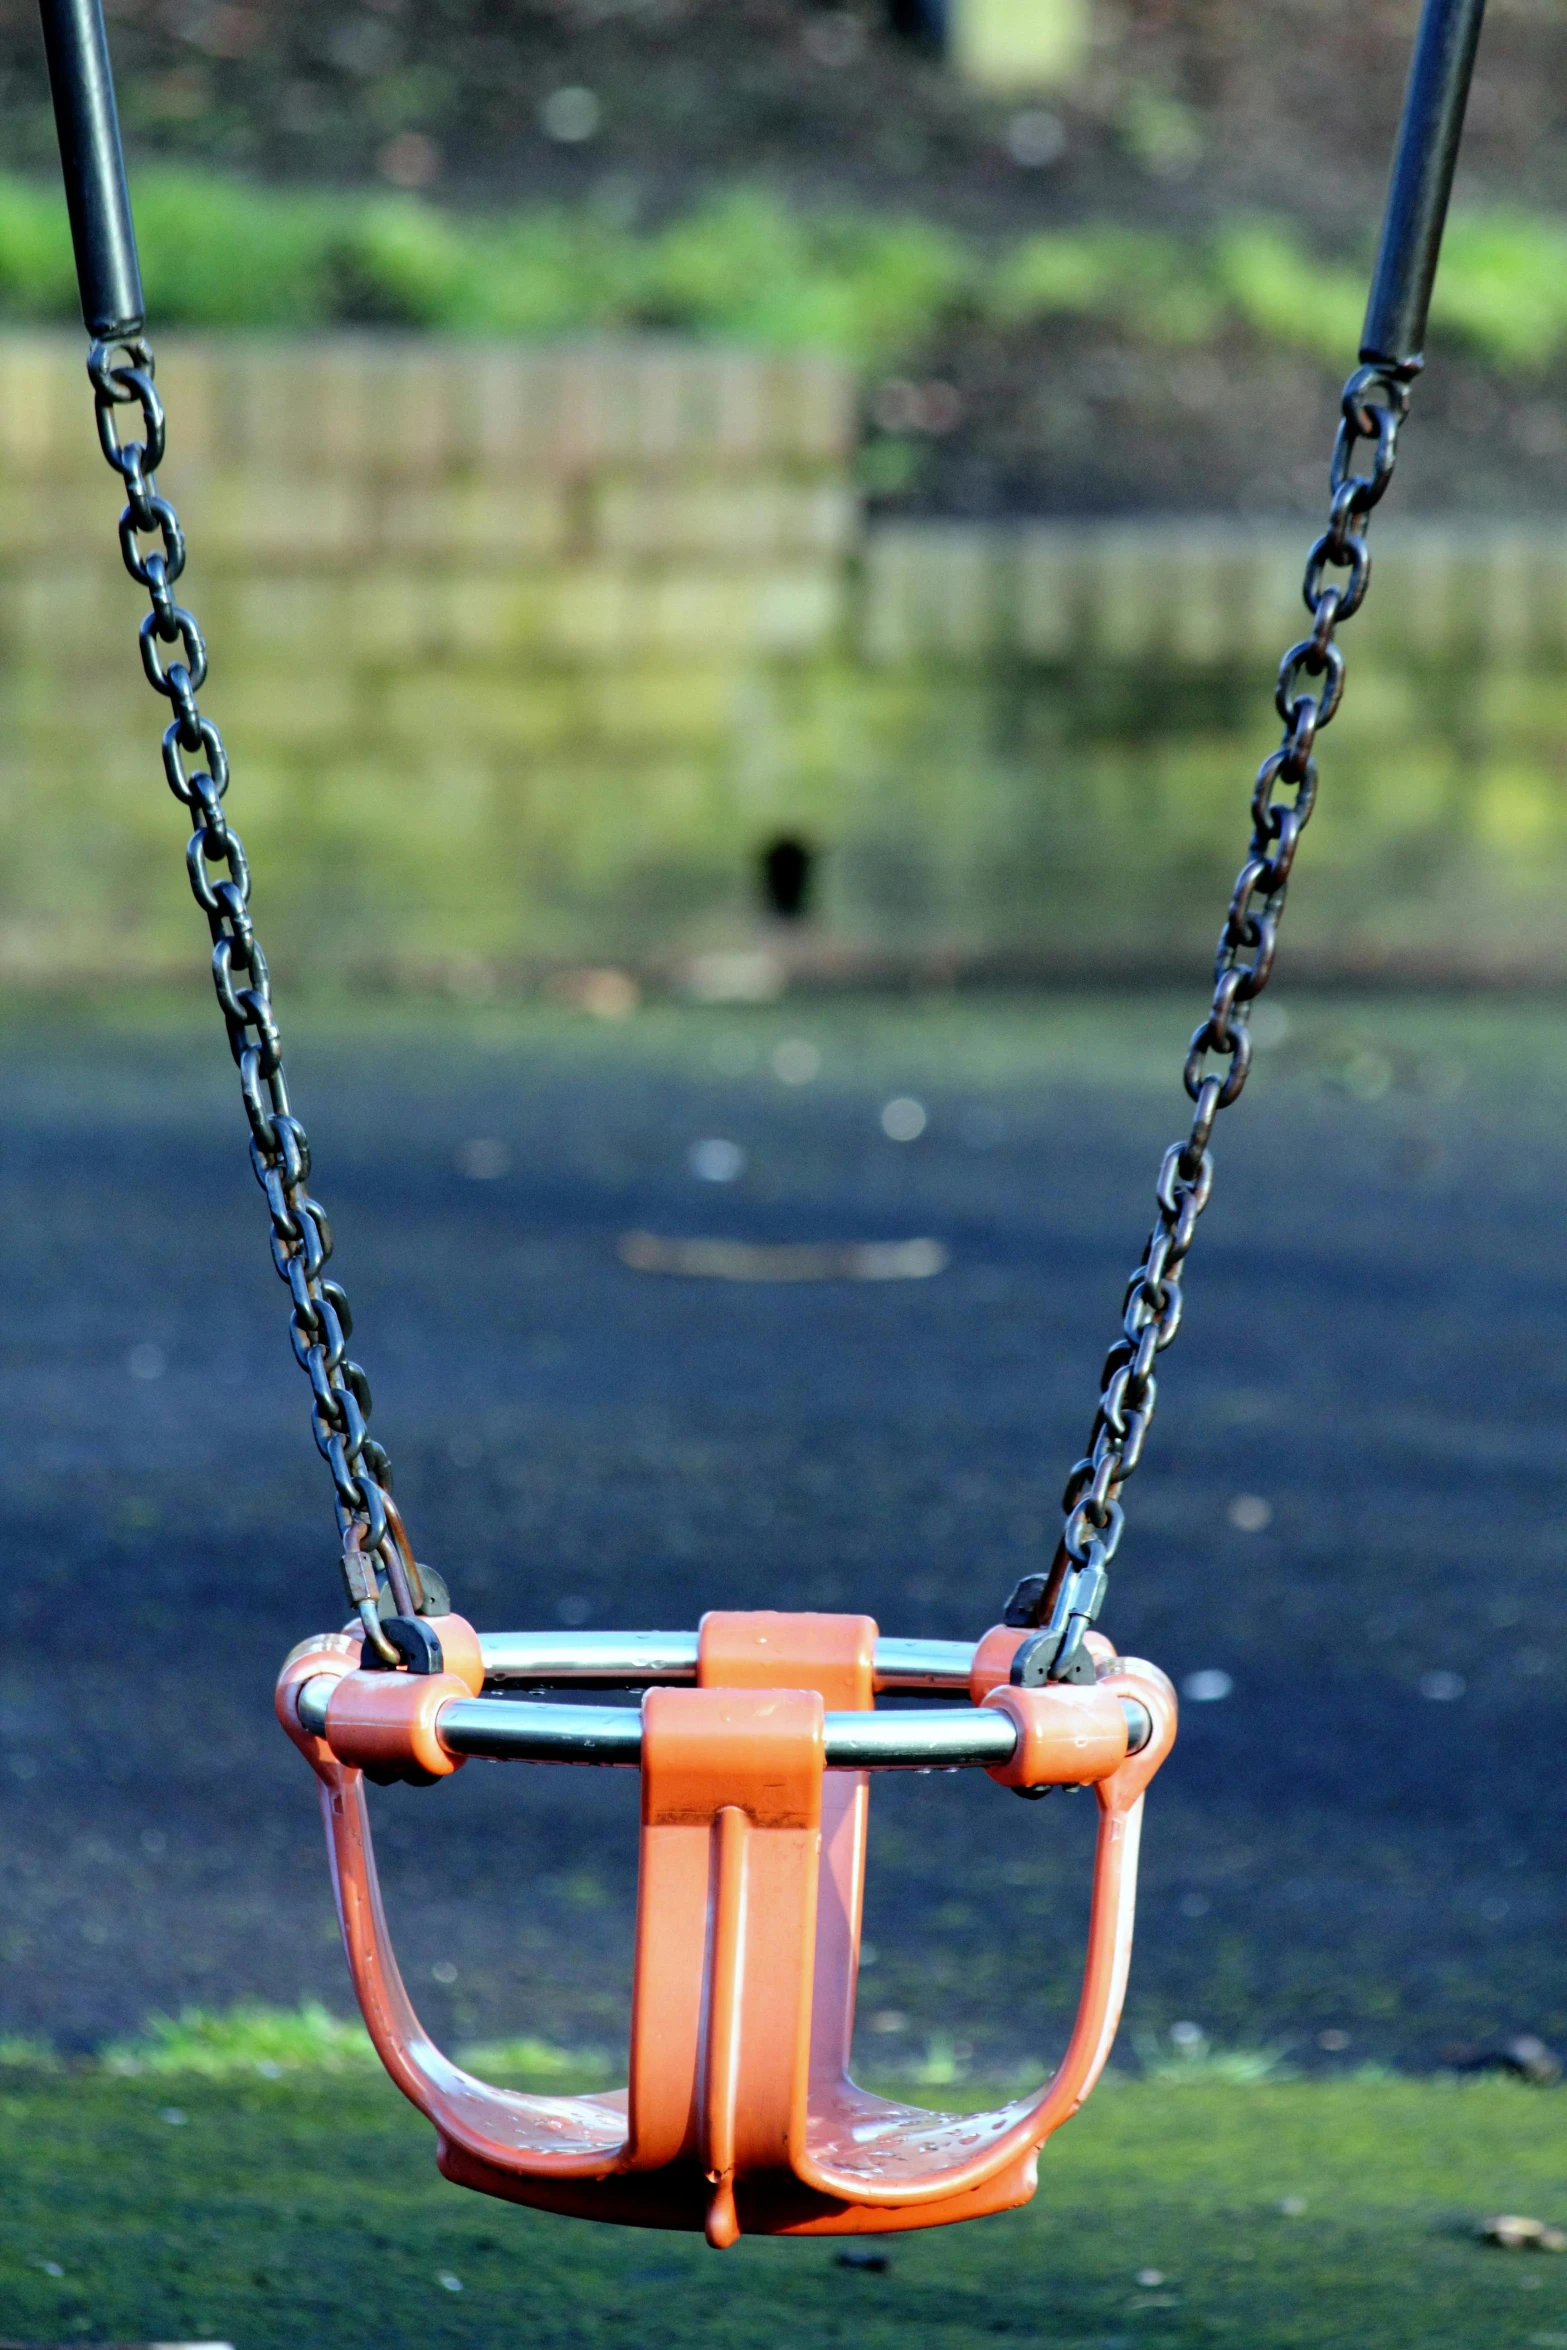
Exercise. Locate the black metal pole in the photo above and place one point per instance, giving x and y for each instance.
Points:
(1421, 181)
(88, 125)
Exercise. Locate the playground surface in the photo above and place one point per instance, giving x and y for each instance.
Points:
(1350, 1507)
(1300, 2217)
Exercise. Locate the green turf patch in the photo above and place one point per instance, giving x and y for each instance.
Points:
(250, 2037)
(254, 2040)
(273, 2213)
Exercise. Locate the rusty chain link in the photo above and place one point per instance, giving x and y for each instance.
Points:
(1066, 1599)
(175, 660)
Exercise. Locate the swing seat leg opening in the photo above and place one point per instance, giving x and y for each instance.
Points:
(739, 2115)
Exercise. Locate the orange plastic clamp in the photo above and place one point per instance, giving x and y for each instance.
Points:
(381, 1726)
(384, 1723)
(1066, 1736)
(763, 1648)
(327, 1652)
(993, 1657)
(460, 1650)
(992, 1666)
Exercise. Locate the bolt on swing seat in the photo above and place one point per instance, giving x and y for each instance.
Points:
(740, 2116)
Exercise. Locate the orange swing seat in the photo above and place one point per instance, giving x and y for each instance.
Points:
(740, 2116)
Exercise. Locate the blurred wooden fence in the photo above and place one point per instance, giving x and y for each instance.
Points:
(1199, 595)
(522, 655)
(590, 504)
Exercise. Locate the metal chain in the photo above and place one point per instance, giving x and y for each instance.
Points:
(1066, 1599)
(319, 1323)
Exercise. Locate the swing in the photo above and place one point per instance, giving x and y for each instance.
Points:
(756, 1736)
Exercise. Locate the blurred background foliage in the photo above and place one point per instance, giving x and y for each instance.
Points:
(1103, 274)
(747, 265)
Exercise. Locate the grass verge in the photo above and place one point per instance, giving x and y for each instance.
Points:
(272, 2212)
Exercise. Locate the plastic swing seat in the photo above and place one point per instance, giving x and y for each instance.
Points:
(739, 2116)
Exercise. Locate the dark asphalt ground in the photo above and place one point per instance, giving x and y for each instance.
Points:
(1372, 1349)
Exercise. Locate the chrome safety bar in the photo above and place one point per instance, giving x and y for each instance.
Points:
(521, 1730)
(629, 1660)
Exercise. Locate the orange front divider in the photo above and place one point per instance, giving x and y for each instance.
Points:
(731, 1839)
(740, 2115)
(761, 1648)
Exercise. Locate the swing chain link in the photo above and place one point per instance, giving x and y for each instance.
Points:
(174, 657)
(1066, 1599)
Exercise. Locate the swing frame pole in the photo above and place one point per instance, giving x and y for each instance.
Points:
(1420, 183)
(108, 273)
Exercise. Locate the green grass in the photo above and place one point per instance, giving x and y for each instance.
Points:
(271, 2213)
(247, 2039)
(253, 2040)
(746, 266)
